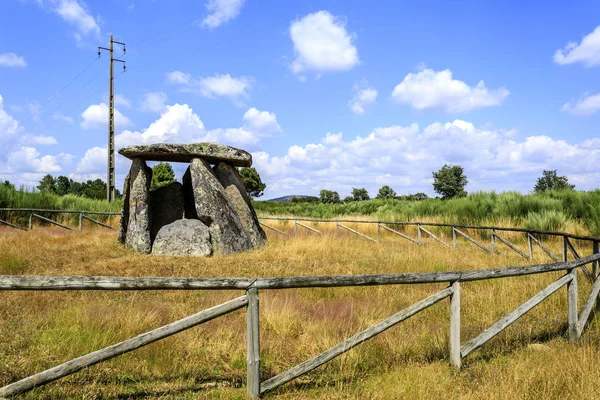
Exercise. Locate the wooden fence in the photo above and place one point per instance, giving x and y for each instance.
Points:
(256, 386)
(35, 213)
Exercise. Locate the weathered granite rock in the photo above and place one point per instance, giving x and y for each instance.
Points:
(240, 201)
(185, 237)
(212, 207)
(189, 205)
(167, 206)
(211, 152)
(124, 212)
(140, 222)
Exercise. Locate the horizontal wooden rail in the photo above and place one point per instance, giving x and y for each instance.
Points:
(97, 222)
(36, 210)
(357, 233)
(421, 229)
(273, 229)
(353, 341)
(511, 317)
(32, 282)
(470, 239)
(52, 222)
(511, 246)
(399, 234)
(415, 223)
(118, 349)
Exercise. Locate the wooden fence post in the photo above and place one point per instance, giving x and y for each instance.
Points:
(493, 240)
(337, 227)
(572, 306)
(30, 220)
(454, 238)
(80, 221)
(595, 250)
(295, 227)
(530, 246)
(253, 350)
(419, 234)
(565, 249)
(455, 358)
(379, 232)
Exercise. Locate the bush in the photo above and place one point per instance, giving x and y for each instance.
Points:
(546, 221)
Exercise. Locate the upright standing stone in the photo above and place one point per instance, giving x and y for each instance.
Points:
(138, 229)
(240, 201)
(124, 212)
(213, 209)
(167, 206)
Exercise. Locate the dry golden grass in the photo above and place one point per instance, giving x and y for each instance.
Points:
(41, 329)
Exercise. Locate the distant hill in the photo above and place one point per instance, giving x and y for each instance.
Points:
(289, 198)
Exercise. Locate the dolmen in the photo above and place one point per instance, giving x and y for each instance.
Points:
(210, 212)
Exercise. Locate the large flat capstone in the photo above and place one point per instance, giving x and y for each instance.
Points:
(211, 152)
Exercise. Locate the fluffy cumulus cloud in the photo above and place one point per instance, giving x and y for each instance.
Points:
(20, 161)
(362, 99)
(179, 124)
(322, 44)
(12, 60)
(405, 156)
(75, 14)
(154, 102)
(221, 12)
(96, 117)
(219, 85)
(586, 105)
(428, 89)
(586, 52)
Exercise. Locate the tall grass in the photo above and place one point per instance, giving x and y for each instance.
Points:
(23, 198)
(478, 208)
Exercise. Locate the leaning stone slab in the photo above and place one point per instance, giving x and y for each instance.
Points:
(185, 237)
(124, 212)
(213, 209)
(140, 219)
(167, 206)
(211, 152)
(240, 201)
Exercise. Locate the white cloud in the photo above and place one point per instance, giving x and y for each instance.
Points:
(43, 140)
(429, 89)
(61, 117)
(72, 12)
(179, 77)
(362, 99)
(586, 105)
(587, 52)
(12, 60)
(17, 155)
(96, 117)
(121, 100)
(154, 102)
(405, 156)
(221, 12)
(321, 43)
(212, 86)
(261, 122)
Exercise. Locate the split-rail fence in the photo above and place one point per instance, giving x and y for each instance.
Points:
(257, 386)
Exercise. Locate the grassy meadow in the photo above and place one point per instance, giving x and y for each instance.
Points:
(530, 360)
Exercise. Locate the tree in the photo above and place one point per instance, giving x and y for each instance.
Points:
(348, 199)
(329, 196)
(95, 189)
(8, 185)
(47, 184)
(386, 192)
(62, 185)
(252, 182)
(551, 181)
(162, 175)
(450, 181)
(359, 194)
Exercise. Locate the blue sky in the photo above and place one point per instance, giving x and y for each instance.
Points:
(325, 94)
